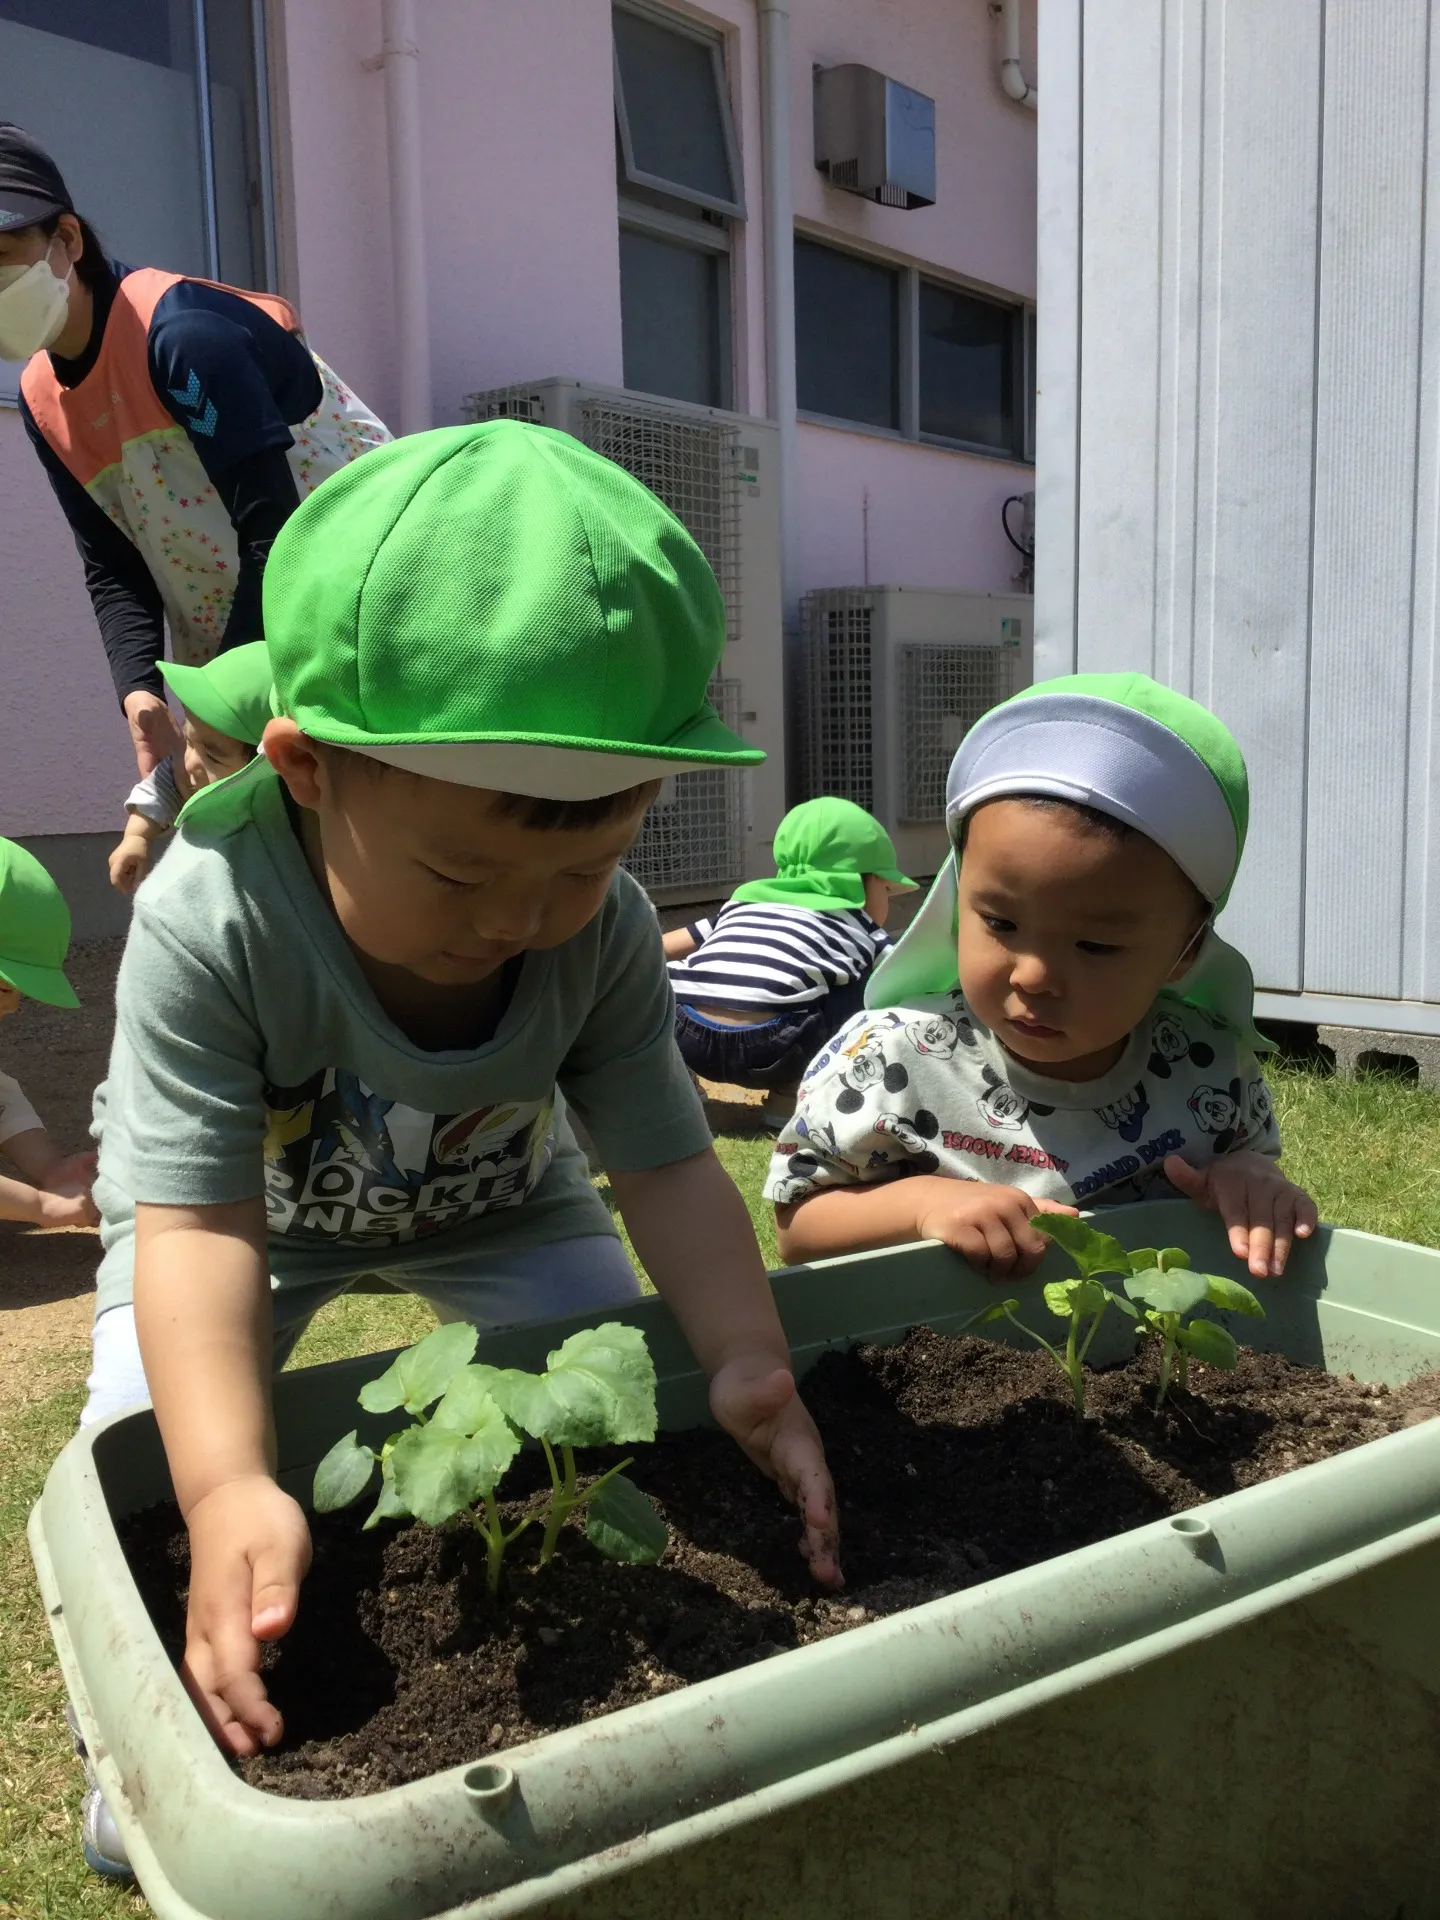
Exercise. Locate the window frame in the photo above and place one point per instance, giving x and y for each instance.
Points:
(656, 224)
(714, 45)
(1022, 311)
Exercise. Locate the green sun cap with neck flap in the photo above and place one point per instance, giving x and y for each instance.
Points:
(232, 693)
(1127, 747)
(498, 606)
(34, 929)
(823, 850)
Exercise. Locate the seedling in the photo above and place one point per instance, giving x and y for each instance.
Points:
(598, 1389)
(1161, 1280)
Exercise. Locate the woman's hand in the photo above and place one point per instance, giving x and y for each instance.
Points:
(1264, 1213)
(153, 732)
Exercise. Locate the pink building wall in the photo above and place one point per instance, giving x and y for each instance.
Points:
(522, 240)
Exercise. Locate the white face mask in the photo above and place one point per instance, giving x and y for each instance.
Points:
(34, 306)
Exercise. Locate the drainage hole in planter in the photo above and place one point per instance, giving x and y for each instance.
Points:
(1189, 1527)
(491, 1787)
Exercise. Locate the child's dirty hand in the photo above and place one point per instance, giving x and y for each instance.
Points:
(988, 1224)
(1264, 1213)
(249, 1550)
(756, 1403)
(129, 864)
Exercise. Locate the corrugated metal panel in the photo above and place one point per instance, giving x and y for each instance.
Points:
(1254, 364)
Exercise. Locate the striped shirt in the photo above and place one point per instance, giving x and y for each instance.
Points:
(755, 955)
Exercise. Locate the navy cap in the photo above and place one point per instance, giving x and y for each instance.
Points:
(32, 187)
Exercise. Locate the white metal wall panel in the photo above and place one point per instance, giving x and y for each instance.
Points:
(1239, 432)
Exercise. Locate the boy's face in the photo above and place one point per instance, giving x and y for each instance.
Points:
(1067, 935)
(426, 875)
(210, 755)
(9, 998)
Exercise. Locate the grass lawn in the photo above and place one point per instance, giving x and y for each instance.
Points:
(1369, 1151)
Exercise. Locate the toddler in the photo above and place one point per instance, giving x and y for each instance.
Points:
(225, 705)
(1061, 1025)
(34, 936)
(784, 962)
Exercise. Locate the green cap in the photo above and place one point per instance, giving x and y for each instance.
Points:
(232, 693)
(497, 606)
(823, 850)
(34, 929)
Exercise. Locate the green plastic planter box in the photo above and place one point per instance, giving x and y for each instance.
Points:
(1236, 1713)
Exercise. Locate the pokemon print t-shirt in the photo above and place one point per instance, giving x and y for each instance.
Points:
(251, 1056)
(928, 1089)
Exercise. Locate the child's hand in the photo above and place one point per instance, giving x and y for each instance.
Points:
(72, 1174)
(989, 1225)
(756, 1403)
(129, 864)
(66, 1209)
(249, 1550)
(1262, 1210)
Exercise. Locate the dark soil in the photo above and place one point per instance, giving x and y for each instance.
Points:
(955, 1461)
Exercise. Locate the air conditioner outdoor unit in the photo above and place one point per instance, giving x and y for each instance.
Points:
(890, 680)
(718, 473)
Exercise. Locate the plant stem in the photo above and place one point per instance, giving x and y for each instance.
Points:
(493, 1534)
(1167, 1354)
(1073, 1368)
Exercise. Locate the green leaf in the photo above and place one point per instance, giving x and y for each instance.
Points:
(421, 1373)
(439, 1472)
(1092, 1252)
(343, 1475)
(1209, 1343)
(1167, 1292)
(1000, 1311)
(1119, 1300)
(598, 1390)
(472, 1395)
(1222, 1292)
(1084, 1297)
(622, 1522)
(389, 1506)
(1173, 1260)
(1143, 1258)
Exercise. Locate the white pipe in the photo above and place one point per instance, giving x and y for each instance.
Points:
(1012, 79)
(779, 204)
(780, 271)
(400, 57)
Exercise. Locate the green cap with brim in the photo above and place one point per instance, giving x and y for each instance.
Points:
(823, 850)
(232, 693)
(498, 606)
(34, 929)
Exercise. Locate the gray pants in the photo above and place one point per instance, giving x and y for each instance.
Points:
(503, 1290)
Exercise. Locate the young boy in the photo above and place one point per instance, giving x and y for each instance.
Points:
(226, 705)
(34, 937)
(1060, 1025)
(784, 962)
(354, 985)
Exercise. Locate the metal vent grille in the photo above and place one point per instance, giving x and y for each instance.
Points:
(506, 403)
(943, 692)
(836, 729)
(693, 839)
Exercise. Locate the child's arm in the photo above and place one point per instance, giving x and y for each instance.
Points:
(692, 1232)
(130, 861)
(39, 1207)
(986, 1223)
(202, 1312)
(679, 942)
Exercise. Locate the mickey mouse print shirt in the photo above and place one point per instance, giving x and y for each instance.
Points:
(928, 1089)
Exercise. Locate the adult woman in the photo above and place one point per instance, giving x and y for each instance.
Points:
(180, 422)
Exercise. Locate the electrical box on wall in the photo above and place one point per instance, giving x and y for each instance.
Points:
(875, 137)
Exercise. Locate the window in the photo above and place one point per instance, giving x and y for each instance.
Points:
(171, 170)
(679, 183)
(882, 346)
(847, 336)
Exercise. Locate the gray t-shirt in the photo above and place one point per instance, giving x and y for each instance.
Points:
(251, 1056)
(928, 1089)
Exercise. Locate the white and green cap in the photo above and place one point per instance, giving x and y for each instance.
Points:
(498, 606)
(1127, 747)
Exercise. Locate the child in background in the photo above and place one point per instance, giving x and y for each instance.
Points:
(34, 936)
(784, 963)
(226, 705)
(354, 986)
(1061, 1025)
